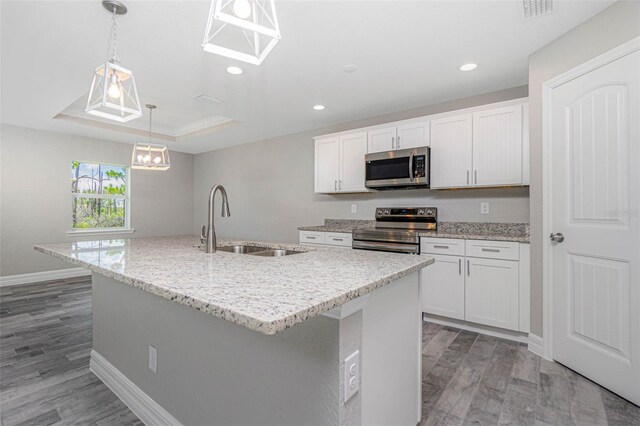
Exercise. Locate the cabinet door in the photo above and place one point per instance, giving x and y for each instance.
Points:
(491, 295)
(327, 165)
(497, 146)
(381, 140)
(443, 287)
(451, 151)
(353, 148)
(413, 135)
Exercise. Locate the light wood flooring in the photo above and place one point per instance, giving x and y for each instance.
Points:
(45, 342)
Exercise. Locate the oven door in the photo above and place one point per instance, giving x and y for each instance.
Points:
(400, 168)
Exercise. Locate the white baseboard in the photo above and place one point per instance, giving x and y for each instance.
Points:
(516, 336)
(35, 277)
(147, 410)
(536, 345)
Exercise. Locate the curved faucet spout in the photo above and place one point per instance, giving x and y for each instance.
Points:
(210, 237)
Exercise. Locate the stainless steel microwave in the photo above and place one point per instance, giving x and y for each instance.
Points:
(402, 168)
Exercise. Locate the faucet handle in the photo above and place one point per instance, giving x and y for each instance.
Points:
(203, 234)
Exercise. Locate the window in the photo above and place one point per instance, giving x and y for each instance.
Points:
(100, 196)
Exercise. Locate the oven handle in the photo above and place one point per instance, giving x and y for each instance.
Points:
(411, 166)
(386, 246)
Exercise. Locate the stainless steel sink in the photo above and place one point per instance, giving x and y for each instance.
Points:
(257, 251)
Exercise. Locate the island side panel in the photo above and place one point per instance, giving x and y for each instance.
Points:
(211, 371)
(391, 355)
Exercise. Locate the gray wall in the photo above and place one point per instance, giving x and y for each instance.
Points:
(610, 28)
(35, 202)
(270, 184)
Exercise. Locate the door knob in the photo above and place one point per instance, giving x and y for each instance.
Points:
(557, 237)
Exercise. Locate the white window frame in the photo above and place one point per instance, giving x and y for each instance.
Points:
(126, 229)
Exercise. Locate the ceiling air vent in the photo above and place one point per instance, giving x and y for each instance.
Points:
(535, 8)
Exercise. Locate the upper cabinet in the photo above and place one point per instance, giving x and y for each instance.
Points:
(339, 163)
(484, 146)
(411, 135)
(451, 151)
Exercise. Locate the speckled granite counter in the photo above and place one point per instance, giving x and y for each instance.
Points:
(266, 294)
(518, 232)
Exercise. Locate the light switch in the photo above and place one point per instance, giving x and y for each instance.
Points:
(153, 359)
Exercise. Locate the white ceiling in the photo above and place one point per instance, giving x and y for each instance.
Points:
(407, 54)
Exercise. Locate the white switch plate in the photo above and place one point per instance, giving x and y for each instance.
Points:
(484, 208)
(351, 375)
(153, 359)
(354, 208)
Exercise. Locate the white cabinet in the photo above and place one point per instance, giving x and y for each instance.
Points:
(491, 293)
(451, 151)
(412, 135)
(404, 136)
(497, 146)
(339, 163)
(443, 287)
(311, 237)
(338, 239)
(380, 140)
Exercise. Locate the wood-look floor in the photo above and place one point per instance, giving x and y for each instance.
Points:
(45, 341)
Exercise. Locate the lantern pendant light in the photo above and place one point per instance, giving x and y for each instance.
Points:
(246, 30)
(113, 93)
(150, 156)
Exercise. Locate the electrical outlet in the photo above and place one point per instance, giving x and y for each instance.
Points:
(354, 208)
(153, 359)
(484, 208)
(351, 375)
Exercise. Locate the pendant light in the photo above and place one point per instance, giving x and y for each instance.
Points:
(113, 93)
(246, 30)
(150, 156)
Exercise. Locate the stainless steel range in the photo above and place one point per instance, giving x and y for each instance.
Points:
(397, 229)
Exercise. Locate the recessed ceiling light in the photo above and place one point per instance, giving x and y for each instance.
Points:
(349, 68)
(318, 107)
(234, 70)
(468, 67)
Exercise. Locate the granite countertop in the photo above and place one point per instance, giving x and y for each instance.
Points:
(265, 294)
(518, 232)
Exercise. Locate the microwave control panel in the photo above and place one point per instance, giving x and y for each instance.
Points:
(418, 166)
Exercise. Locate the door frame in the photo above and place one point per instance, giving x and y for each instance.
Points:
(547, 105)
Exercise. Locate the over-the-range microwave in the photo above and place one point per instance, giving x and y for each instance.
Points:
(399, 169)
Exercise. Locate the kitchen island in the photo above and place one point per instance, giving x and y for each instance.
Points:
(246, 339)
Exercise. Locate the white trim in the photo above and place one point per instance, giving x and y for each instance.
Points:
(547, 91)
(34, 277)
(516, 336)
(536, 345)
(147, 410)
(106, 231)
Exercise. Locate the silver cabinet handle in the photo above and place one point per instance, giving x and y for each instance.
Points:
(398, 142)
(558, 237)
(467, 177)
(459, 266)
(410, 163)
(340, 185)
(393, 142)
(335, 185)
(310, 238)
(491, 250)
(441, 247)
(468, 268)
(475, 174)
(338, 239)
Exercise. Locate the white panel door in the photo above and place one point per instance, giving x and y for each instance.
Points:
(595, 193)
(497, 146)
(413, 135)
(381, 140)
(443, 287)
(327, 165)
(451, 151)
(491, 295)
(353, 148)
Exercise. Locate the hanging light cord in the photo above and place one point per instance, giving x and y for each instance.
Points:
(114, 32)
(150, 112)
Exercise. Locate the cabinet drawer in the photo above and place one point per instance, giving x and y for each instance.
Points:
(337, 239)
(311, 237)
(506, 250)
(449, 246)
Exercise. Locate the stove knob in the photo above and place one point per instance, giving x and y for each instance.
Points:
(430, 212)
(387, 211)
(379, 212)
(421, 212)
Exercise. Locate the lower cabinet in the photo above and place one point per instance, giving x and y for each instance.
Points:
(482, 283)
(335, 239)
(443, 287)
(491, 294)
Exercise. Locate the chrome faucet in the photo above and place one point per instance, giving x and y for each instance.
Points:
(208, 232)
